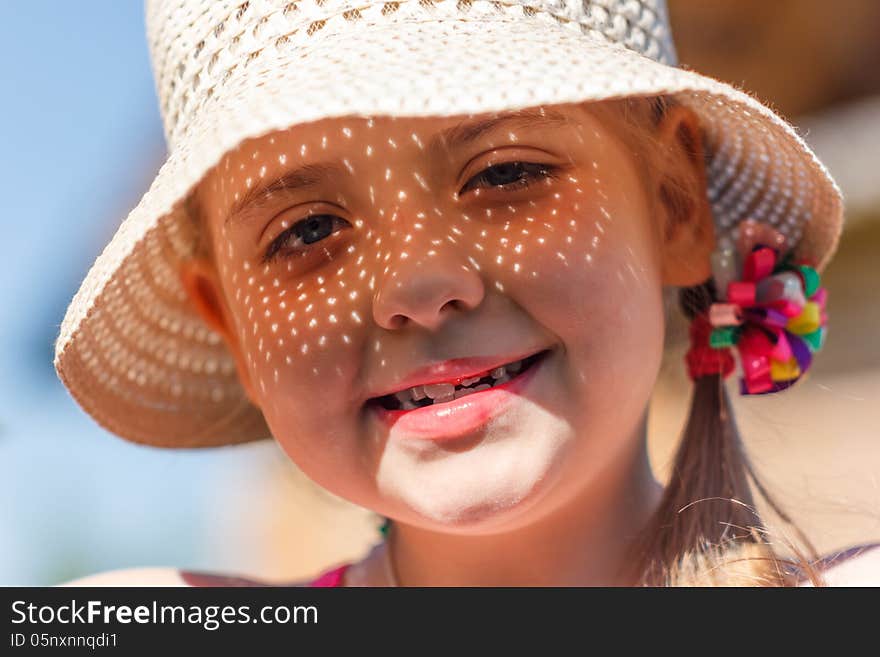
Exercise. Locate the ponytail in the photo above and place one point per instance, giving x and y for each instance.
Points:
(707, 530)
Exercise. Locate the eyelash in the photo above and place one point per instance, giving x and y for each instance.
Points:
(544, 172)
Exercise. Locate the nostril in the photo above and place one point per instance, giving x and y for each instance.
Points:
(454, 304)
(396, 321)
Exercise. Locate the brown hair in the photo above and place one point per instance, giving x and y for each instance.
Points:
(202, 248)
(706, 530)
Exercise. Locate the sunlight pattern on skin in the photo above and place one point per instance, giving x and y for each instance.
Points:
(399, 249)
(269, 296)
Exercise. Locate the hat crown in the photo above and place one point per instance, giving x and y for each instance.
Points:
(196, 45)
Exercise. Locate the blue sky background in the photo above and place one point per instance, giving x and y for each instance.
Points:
(82, 139)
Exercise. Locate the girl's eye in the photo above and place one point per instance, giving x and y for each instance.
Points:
(512, 175)
(509, 176)
(309, 230)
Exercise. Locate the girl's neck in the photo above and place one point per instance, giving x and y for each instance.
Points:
(583, 543)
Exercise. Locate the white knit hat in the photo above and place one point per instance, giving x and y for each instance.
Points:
(132, 351)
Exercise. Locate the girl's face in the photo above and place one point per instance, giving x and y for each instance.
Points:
(351, 253)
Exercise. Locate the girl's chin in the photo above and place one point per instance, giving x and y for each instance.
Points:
(479, 517)
(475, 504)
(487, 487)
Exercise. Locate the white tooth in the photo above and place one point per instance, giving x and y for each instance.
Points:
(498, 372)
(462, 393)
(482, 386)
(409, 406)
(418, 392)
(471, 381)
(445, 398)
(436, 390)
(503, 379)
(515, 367)
(403, 396)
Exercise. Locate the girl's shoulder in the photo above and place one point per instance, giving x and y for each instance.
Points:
(180, 577)
(155, 576)
(858, 565)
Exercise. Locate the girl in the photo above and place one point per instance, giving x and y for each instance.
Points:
(438, 282)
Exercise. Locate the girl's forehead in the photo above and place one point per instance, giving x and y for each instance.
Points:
(431, 134)
(383, 146)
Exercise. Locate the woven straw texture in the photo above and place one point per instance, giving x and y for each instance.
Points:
(142, 363)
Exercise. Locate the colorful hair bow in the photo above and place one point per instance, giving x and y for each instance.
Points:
(772, 309)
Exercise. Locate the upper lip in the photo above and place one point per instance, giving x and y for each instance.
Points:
(450, 370)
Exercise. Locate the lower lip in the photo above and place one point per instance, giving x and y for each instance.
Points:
(460, 416)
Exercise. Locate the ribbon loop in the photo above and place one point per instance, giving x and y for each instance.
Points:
(742, 293)
(724, 314)
(759, 263)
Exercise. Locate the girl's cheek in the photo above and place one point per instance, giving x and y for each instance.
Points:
(588, 269)
(547, 251)
(298, 331)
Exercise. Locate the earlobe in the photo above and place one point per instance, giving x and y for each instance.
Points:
(199, 279)
(687, 229)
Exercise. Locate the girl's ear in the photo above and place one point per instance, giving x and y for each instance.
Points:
(687, 231)
(199, 279)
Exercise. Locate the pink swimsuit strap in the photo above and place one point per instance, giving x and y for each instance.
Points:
(332, 577)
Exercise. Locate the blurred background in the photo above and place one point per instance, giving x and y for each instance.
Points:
(83, 141)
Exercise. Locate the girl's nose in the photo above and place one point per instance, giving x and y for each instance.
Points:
(424, 289)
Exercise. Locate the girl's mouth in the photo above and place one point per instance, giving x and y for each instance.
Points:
(421, 396)
(446, 410)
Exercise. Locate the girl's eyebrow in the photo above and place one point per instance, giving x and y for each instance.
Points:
(302, 178)
(464, 133)
(311, 175)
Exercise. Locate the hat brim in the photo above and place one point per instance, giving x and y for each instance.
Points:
(140, 361)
